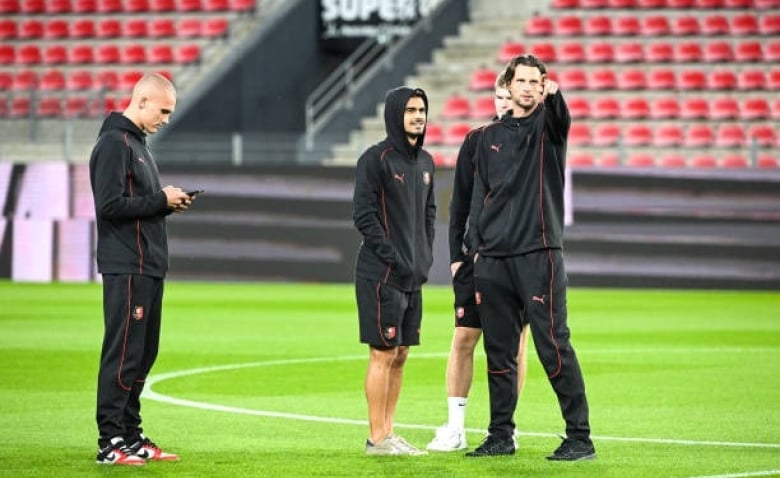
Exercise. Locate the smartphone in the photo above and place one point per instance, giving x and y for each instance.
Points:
(193, 193)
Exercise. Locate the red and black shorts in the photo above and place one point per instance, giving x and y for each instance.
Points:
(389, 317)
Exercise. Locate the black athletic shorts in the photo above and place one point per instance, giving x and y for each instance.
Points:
(389, 317)
(465, 304)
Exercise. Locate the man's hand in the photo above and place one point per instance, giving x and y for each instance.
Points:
(177, 199)
(550, 87)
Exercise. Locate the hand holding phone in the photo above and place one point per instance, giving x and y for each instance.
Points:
(194, 193)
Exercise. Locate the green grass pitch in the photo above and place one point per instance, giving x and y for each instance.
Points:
(267, 380)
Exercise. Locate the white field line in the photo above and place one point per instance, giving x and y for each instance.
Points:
(743, 475)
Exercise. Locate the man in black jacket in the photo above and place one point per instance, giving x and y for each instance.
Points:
(516, 231)
(132, 255)
(394, 210)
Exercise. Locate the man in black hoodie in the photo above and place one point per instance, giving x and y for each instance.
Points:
(394, 210)
(132, 255)
(516, 232)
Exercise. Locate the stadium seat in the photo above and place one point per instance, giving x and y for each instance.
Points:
(605, 107)
(483, 108)
(7, 54)
(708, 4)
(580, 159)
(608, 160)
(698, 136)
(434, 135)
(456, 107)
(771, 52)
(579, 134)
(82, 28)
(640, 160)
(80, 54)
(597, 25)
(773, 80)
(662, 79)
(128, 79)
(80, 80)
(455, 132)
(767, 161)
(733, 160)
(56, 54)
(443, 160)
(685, 25)
(748, 51)
(715, 25)
(664, 107)
(722, 108)
(164, 27)
(653, 25)
(6, 80)
(52, 80)
(752, 109)
(108, 28)
(692, 80)
(136, 6)
(718, 52)
(106, 54)
(602, 79)
(626, 26)
(635, 108)
(28, 54)
(599, 52)
(483, 79)
(579, 107)
(32, 6)
(621, 4)
(703, 160)
(8, 29)
(722, 80)
(687, 52)
(134, 54)
(744, 24)
(766, 4)
(769, 24)
(567, 26)
(162, 6)
(76, 107)
(161, 53)
(83, 6)
(742, 4)
(571, 52)
(9, 7)
(56, 28)
(509, 50)
(217, 27)
(242, 6)
(544, 51)
(668, 135)
(753, 79)
(107, 80)
(539, 26)
(190, 27)
(109, 6)
(25, 80)
(30, 29)
(651, 4)
(57, 6)
(659, 52)
(565, 4)
(629, 52)
(638, 134)
(672, 160)
(187, 54)
(631, 79)
(606, 134)
(730, 135)
(20, 107)
(594, 4)
(216, 5)
(694, 108)
(763, 135)
(136, 27)
(48, 107)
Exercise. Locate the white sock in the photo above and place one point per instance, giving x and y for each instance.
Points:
(457, 412)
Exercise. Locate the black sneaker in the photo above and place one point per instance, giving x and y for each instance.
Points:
(494, 446)
(116, 452)
(574, 450)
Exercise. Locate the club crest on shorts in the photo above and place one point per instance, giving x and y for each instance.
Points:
(426, 177)
(138, 312)
(478, 297)
(389, 332)
(460, 312)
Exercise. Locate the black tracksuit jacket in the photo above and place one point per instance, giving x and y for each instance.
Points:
(393, 204)
(517, 203)
(130, 205)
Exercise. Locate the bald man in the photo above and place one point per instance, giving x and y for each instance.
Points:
(131, 208)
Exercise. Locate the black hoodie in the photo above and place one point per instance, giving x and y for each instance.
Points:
(130, 205)
(393, 203)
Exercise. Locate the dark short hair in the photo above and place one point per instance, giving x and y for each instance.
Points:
(526, 60)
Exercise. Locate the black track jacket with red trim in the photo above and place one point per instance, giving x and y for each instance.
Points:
(517, 203)
(130, 205)
(393, 204)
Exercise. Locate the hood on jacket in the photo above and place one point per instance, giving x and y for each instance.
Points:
(116, 120)
(395, 104)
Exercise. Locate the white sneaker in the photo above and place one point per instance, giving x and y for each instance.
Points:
(404, 446)
(448, 439)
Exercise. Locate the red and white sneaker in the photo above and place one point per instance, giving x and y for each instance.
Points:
(118, 453)
(146, 449)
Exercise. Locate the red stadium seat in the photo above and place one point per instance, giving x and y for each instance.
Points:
(509, 50)
(80, 80)
(7, 54)
(9, 6)
(571, 52)
(762, 134)
(597, 25)
(665, 107)
(766, 4)
(687, 52)
(128, 79)
(579, 134)
(52, 80)
(6, 80)
(564, 4)
(753, 79)
(752, 109)
(83, 6)
(30, 29)
(694, 108)
(744, 24)
(187, 54)
(216, 5)
(108, 28)
(32, 6)
(136, 6)
(107, 80)
(80, 54)
(715, 25)
(748, 51)
(698, 135)
(28, 54)
(25, 80)
(599, 52)
(484, 108)
(692, 80)
(189, 5)
(630, 52)
(580, 159)
(82, 28)
(573, 79)
(56, 54)
(162, 5)
(769, 24)
(771, 51)
(543, 51)
(8, 29)
(722, 80)
(685, 25)
(626, 26)
(672, 160)
(434, 135)
(635, 108)
(579, 107)
(107, 54)
(163, 27)
(733, 160)
(539, 26)
(621, 4)
(135, 27)
(242, 6)
(109, 6)
(704, 160)
(641, 160)
(56, 28)
(654, 25)
(443, 160)
(767, 161)
(456, 107)
(215, 27)
(668, 135)
(483, 79)
(602, 79)
(730, 135)
(608, 160)
(455, 132)
(594, 4)
(161, 53)
(662, 79)
(651, 4)
(638, 134)
(773, 80)
(567, 26)
(20, 107)
(57, 6)
(48, 107)
(708, 4)
(724, 108)
(605, 108)
(631, 79)
(76, 107)
(737, 3)
(606, 134)
(718, 52)
(659, 52)
(134, 54)
(190, 27)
